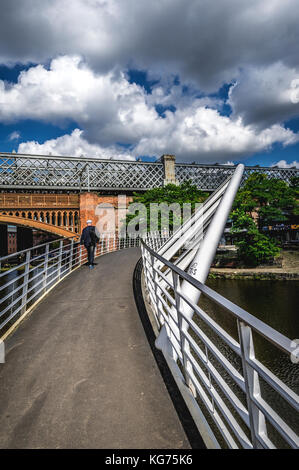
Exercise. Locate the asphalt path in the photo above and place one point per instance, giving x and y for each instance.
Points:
(80, 373)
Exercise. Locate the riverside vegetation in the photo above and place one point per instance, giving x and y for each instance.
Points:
(261, 201)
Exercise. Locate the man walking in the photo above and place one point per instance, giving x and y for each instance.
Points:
(89, 239)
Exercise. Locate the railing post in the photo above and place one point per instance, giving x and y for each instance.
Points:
(147, 274)
(145, 269)
(46, 268)
(26, 281)
(80, 254)
(183, 327)
(158, 304)
(60, 258)
(252, 385)
(71, 255)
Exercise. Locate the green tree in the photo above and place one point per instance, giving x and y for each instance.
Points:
(169, 194)
(260, 202)
(294, 185)
(253, 247)
(268, 200)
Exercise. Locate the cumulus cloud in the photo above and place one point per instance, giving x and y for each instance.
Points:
(110, 109)
(73, 145)
(266, 95)
(202, 133)
(284, 164)
(107, 106)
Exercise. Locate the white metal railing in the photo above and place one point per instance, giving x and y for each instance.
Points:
(26, 276)
(191, 340)
(189, 349)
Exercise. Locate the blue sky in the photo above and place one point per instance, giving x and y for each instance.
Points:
(130, 80)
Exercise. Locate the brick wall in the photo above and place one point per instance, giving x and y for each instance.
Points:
(103, 209)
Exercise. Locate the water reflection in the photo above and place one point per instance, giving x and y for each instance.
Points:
(275, 303)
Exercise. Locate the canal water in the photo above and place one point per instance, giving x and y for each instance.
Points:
(275, 303)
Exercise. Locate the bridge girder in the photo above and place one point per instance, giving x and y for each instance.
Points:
(38, 172)
(37, 225)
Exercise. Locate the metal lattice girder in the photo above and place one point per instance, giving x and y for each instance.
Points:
(72, 173)
(209, 177)
(21, 171)
(205, 177)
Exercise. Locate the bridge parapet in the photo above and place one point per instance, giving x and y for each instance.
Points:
(43, 201)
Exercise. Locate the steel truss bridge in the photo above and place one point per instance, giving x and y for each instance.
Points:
(52, 173)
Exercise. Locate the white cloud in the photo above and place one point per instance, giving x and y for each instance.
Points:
(73, 145)
(109, 109)
(107, 106)
(200, 133)
(15, 135)
(266, 95)
(284, 164)
(212, 137)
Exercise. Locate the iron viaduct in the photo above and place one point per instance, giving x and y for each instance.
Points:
(58, 194)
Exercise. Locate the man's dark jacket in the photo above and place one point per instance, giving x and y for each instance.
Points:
(88, 236)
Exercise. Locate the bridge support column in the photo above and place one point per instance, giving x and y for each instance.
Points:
(3, 240)
(24, 238)
(169, 169)
(88, 204)
(116, 204)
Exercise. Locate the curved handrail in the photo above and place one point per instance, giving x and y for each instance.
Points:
(179, 339)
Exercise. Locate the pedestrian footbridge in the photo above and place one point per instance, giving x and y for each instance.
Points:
(125, 356)
(79, 372)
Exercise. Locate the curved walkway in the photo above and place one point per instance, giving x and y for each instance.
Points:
(80, 373)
